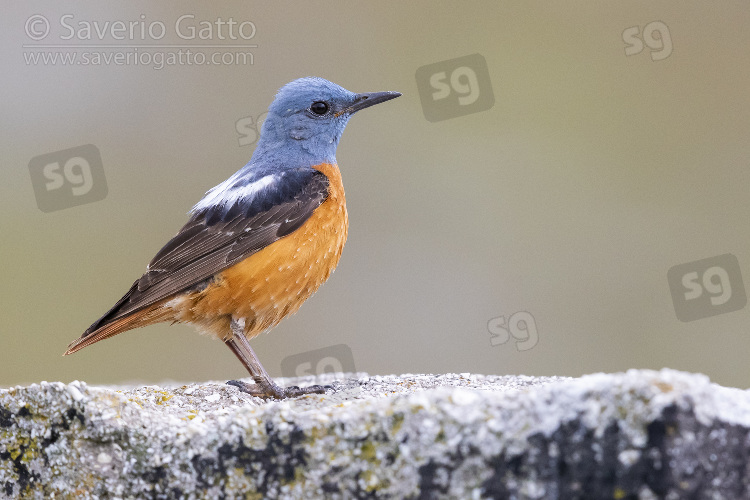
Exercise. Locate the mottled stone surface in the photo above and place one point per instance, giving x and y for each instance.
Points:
(640, 434)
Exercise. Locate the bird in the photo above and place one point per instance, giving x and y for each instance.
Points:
(259, 244)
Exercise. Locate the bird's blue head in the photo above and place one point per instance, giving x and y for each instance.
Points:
(306, 120)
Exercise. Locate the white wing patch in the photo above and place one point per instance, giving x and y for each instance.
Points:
(224, 194)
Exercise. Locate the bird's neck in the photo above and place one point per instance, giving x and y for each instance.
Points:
(293, 153)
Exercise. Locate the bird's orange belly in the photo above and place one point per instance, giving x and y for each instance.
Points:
(273, 282)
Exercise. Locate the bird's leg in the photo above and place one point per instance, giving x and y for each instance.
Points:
(264, 386)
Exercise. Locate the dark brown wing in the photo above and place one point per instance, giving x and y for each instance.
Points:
(218, 237)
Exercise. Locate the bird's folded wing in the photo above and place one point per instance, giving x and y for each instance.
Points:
(221, 235)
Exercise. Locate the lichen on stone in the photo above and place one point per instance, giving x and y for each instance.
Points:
(627, 435)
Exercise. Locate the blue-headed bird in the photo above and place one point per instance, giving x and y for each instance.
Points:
(260, 243)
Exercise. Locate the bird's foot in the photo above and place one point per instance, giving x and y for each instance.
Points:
(269, 389)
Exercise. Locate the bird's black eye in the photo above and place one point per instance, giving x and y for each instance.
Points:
(319, 107)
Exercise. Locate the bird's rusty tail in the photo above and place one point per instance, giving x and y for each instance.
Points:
(105, 329)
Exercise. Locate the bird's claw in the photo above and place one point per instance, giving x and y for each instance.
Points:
(269, 389)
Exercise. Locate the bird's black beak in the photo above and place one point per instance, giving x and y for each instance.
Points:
(367, 99)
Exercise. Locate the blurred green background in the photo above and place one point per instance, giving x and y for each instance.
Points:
(593, 174)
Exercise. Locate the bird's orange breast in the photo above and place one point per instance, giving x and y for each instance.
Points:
(275, 281)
